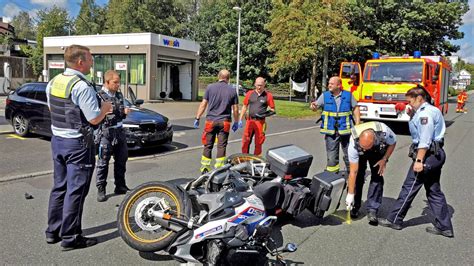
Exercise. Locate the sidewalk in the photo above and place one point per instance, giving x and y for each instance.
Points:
(174, 110)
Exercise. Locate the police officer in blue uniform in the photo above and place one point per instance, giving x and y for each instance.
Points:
(74, 109)
(111, 138)
(427, 128)
(339, 109)
(373, 143)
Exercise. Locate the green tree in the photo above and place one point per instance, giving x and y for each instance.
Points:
(158, 16)
(215, 28)
(51, 22)
(303, 30)
(91, 18)
(24, 27)
(399, 27)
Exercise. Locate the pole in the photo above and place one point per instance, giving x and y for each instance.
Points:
(238, 55)
(291, 84)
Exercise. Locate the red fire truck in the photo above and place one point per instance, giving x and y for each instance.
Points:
(380, 88)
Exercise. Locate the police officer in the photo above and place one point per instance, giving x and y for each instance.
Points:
(74, 108)
(371, 142)
(427, 128)
(256, 102)
(222, 101)
(339, 109)
(111, 138)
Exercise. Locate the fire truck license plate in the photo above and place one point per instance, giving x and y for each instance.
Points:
(387, 109)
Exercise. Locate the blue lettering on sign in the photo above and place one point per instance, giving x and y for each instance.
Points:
(171, 43)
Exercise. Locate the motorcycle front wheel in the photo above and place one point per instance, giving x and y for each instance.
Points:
(142, 231)
(238, 158)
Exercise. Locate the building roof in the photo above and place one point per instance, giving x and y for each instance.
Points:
(124, 39)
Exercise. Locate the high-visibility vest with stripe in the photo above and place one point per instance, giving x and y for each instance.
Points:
(64, 113)
(332, 118)
(379, 144)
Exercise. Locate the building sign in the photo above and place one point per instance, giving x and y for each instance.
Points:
(56, 64)
(121, 66)
(170, 43)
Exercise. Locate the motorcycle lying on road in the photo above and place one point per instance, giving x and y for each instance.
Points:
(229, 226)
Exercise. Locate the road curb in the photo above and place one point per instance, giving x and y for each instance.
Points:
(49, 172)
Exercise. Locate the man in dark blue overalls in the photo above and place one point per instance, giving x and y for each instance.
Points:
(111, 138)
(427, 128)
(74, 108)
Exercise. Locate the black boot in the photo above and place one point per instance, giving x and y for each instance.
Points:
(121, 189)
(101, 197)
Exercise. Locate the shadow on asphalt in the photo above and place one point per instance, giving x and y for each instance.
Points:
(105, 237)
(156, 150)
(181, 128)
(155, 256)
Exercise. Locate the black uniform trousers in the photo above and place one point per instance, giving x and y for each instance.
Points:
(429, 178)
(375, 193)
(117, 148)
(73, 167)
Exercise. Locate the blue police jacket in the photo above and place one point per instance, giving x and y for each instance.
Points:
(427, 125)
(333, 119)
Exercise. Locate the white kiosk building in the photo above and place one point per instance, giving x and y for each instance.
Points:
(155, 66)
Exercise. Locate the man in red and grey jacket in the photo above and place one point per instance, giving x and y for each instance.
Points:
(256, 102)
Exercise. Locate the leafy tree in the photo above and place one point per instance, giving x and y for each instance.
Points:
(24, 27)
(302, 30)
(91, 18)
(399, 27)
(158, 16)
(51, 22)
(215, 28)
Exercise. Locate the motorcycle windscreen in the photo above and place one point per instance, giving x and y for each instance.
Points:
(351, 75)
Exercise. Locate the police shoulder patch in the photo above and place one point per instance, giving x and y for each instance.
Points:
(424, 120)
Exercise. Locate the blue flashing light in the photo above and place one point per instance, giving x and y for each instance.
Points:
(417, 54)
(375, 55)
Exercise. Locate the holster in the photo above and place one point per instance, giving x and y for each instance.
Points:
(434, 149)
(88, 133)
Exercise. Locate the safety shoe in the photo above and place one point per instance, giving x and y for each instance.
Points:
(372, 217)
(101, 197)
(121, 190)
(81, 242)
(435, 231)
(354, 213)
(387, 223)
(53, 240)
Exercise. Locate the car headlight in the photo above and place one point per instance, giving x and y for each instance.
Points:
(168, 124)
(131, 126)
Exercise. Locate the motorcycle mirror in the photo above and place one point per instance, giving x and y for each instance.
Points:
(290, 247)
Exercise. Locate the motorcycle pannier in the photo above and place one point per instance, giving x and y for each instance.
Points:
(289, 161)
(327, 189)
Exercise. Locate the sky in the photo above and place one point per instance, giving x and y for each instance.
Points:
(10, 8)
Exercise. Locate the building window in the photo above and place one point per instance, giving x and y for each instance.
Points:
(136, 64)
(137, 69)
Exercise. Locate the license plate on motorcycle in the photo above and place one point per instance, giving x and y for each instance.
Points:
(387, 109)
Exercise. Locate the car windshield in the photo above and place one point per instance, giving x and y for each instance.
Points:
(393, 72)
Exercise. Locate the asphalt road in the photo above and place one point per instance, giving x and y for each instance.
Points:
(31, 155)
(331, 241)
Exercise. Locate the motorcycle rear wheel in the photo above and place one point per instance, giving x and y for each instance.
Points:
(137, 228)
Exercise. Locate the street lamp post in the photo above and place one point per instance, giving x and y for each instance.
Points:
(238, 9)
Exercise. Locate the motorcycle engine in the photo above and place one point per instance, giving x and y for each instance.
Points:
(228, 180)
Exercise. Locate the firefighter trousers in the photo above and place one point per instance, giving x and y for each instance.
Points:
(254, 128)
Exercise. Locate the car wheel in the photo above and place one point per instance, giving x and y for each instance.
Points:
(20, 125)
